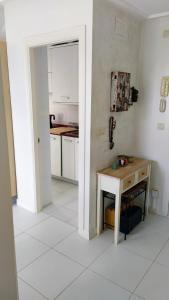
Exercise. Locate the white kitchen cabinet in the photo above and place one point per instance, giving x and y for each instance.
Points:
(70, 157)
(49, 54)
(49, 60)
(64, 73)
(55, 148)
(76, 159)
(50, 83)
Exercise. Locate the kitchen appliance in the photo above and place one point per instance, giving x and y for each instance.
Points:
(51, 117)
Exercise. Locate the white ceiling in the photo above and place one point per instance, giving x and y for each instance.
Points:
(151, 8)
(145, 8)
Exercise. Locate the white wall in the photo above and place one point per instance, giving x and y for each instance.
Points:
(151, 142)
(2, 24)
(8, 278)
(65, 113)
(23, 19)
(111, 52)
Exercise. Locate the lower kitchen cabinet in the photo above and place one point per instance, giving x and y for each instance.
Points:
(55, 148)
(70, 157)
(76, 159)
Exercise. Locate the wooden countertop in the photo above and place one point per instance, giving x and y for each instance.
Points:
(123, 172)
(61, 130)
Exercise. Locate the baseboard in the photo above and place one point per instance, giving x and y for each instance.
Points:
(65, 179)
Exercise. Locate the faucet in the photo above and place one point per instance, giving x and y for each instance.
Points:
(50, 120)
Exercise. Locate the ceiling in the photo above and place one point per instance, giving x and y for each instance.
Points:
(145, 8)
(150, 8)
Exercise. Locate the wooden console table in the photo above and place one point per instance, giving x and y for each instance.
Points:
(117, 182)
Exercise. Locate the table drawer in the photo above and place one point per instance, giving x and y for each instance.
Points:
(142, 173)
(128, 182)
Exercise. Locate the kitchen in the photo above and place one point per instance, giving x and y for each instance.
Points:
(64, 129)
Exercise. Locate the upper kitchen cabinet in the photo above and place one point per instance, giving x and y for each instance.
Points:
(63, 73)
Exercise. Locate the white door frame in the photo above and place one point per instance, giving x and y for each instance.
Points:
(75, 33)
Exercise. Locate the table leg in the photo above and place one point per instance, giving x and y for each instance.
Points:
(117, 217)
(148, 192)
(99, 208)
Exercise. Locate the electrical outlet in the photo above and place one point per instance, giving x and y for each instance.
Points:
(161, 126)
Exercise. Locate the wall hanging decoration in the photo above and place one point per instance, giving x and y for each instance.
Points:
(164, 92)
(112, 126)
(120, 91)
(133, 95)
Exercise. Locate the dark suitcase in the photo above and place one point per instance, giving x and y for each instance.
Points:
(130, 218)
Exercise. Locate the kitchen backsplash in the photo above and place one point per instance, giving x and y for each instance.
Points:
(65, 112)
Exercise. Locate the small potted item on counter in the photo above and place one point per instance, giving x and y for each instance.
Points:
(123, 160)
(115, 165)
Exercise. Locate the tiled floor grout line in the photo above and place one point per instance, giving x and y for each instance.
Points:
(49, 249)
(162, 265)
(165, 244)
(38, 240)
(59, 206)
(66, 222)
(155, 259)
(140, 298)
(85, 269)
(111, 281)
(71, 259)
(45, 244)
(98, 274)
(66, 237)
(71, 283)
(47, 217)
(28, 265)
(136, 253)
(25, 231)
(88, 267)
(20, 278)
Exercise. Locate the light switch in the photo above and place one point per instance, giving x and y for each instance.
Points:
(161, 126)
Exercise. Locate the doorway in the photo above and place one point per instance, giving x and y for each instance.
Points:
(31, 44)
(54, 73)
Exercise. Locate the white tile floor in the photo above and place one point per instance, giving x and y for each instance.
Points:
(53, 262)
